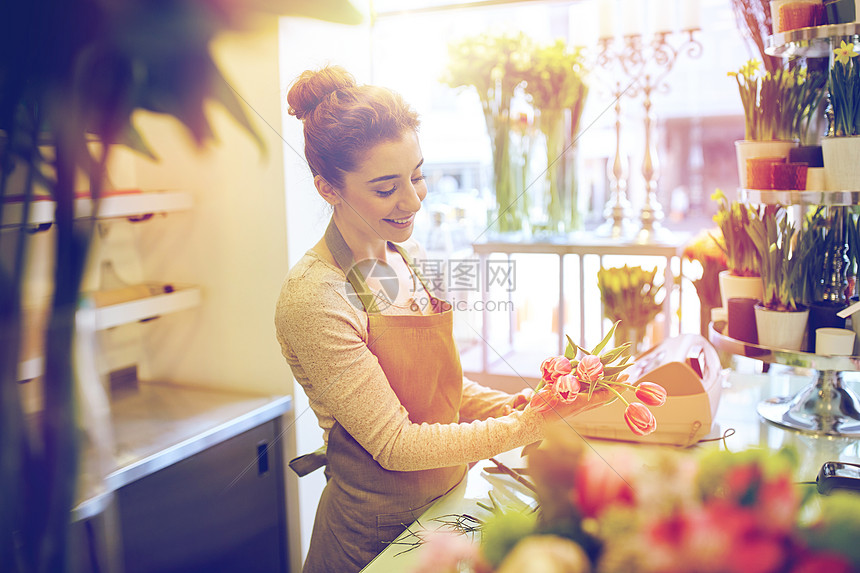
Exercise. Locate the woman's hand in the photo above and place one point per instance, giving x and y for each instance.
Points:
(519, 400)
(562, 409)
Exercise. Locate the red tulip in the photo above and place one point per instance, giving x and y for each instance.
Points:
(639, 419)
(651, 394)
(589, 369)
(567, 386)
(552, 368)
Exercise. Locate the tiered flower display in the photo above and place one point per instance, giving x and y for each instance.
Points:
(565, 378)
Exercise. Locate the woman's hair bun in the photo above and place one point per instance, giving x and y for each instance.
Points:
(313, 86)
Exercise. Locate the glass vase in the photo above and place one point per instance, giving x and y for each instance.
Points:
(508, 217)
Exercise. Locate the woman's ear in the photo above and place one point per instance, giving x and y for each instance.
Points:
(327, 191)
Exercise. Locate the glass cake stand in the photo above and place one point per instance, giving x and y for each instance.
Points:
(824, 407)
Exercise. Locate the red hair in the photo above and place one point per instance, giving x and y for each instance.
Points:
(343, 120)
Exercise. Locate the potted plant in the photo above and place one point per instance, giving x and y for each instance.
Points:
(555, 84)
(741, 279)
(72, 74)
(494, 66)
(768, 117)
(780, 316)
(828, 243)
(842, 146)
(629, 295)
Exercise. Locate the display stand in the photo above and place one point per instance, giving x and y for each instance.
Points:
(825, 407)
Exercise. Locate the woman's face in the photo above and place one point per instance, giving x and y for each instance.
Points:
(379, 200)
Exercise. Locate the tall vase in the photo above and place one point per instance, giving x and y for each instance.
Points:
(552, 125)
(508, 217)
(571, 189)
(635, 335)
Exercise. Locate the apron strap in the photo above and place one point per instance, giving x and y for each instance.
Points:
(414, 269)
(343, 257)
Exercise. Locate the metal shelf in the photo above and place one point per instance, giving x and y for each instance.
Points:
(793, 197)
(813, 42)
(825, 407)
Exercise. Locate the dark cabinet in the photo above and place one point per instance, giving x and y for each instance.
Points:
(220, 510)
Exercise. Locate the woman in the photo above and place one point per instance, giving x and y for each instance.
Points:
(368, 342)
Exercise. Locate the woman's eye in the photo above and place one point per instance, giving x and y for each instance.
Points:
(386, 193)
(418, 179)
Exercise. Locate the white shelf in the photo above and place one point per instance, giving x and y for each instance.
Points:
(146, 308)
(111, 206)
(125, 313)
(32, 368)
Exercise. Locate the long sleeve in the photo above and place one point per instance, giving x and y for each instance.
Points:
(480, 402)
(324, 339)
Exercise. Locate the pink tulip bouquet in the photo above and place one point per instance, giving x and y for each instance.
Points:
(565, 379)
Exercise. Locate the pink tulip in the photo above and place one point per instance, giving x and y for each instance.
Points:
(589, 369)
(545, 399)
(552, 368)
(651, 394)
(567, 386)
(597, 485)
(639, 419)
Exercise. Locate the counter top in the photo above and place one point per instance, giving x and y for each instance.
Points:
(159, 424)
(742, 391)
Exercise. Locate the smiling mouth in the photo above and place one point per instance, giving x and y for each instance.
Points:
(401, 221)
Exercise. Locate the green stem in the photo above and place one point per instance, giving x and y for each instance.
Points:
(614, 391)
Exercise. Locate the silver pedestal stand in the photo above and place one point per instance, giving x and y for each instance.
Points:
(824, 407)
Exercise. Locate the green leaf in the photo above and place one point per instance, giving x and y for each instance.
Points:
(606, 339)
(570, 351)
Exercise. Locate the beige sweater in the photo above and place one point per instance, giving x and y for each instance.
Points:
(324, 340)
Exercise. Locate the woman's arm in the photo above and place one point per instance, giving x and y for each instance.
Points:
(480, 402)
(328, 337)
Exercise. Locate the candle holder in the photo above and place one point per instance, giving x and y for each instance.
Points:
(617, 209)
(645, 66)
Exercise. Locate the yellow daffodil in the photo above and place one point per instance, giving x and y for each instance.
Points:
(844, 52)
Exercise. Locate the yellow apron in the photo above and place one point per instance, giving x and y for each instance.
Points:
(364, 506)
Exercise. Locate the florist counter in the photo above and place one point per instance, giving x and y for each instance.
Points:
(736, 419)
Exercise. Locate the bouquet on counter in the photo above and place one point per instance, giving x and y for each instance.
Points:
(659, 511)
(566, 378)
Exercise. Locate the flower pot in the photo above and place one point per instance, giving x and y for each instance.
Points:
(732, 286)
(746, 149)
(760, 171)
(741, 319)
(809, 154)
(789, 176)
(793, 14)
(841, 167)
(840, 11)
(823, 315)
(779, 328)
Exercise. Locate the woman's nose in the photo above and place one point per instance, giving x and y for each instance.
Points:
(412, 197)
